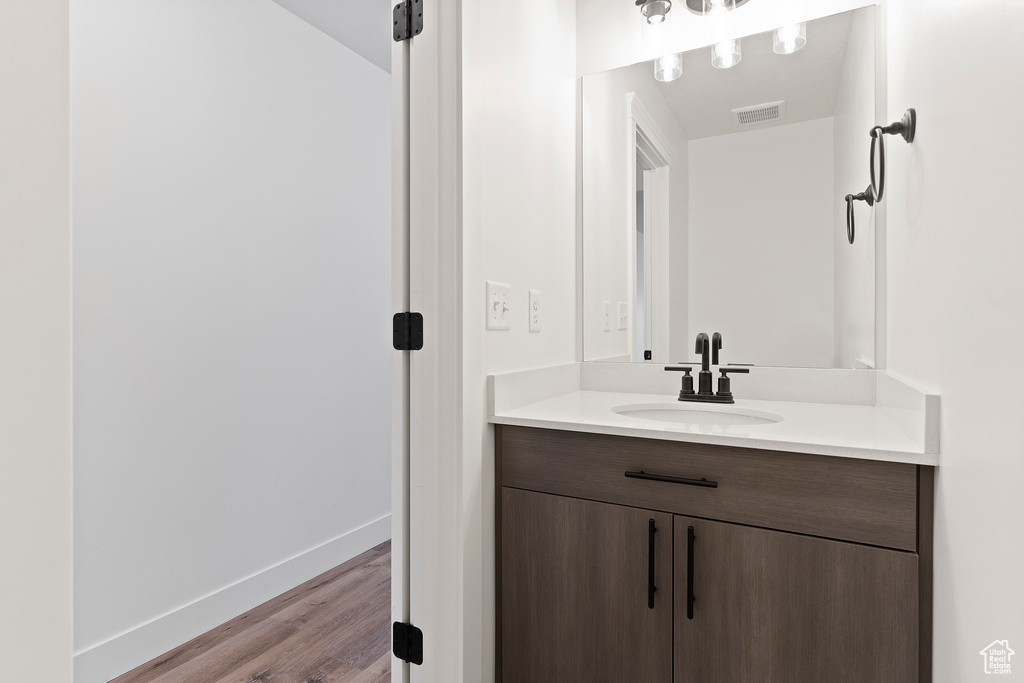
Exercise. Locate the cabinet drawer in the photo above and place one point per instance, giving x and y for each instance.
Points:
(855, 500)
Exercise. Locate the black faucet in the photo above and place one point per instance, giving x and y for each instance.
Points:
(708, 349)
(704, 349)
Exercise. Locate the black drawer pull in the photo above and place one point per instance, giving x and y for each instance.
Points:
(651, 530)
(672, 480)
(689, 572)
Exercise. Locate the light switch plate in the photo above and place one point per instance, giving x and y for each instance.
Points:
(535, 310)
(607, 308)
(499, 306)
(623, 315)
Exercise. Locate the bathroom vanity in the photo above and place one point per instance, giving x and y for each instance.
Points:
(647, 532)
(632, 549)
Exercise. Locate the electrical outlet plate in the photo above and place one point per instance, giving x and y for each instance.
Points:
(606, 307)
(499, 306)
(535, 306)
(623, 315)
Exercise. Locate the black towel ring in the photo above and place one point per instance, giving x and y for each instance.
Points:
(878, 186)
(868, 196)
(906, 128)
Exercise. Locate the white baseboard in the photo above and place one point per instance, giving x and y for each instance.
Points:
(122, 653)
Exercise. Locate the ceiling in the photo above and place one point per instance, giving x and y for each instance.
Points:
(703, 97)
(363, 26)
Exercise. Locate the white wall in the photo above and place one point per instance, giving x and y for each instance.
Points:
(35, 343)
(232, 304)
(519, 227)
(761, 238)
(607, 207)
(955, 310)
(855, 264)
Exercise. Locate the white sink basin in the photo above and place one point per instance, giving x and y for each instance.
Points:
(697, 415)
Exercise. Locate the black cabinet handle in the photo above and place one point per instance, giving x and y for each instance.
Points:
(672, 480)
(651, 530)
(689, 572)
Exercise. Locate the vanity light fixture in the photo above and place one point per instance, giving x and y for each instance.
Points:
(668, 68)
(654, 11)
(727, 53)
(789, 39)
(697, 6)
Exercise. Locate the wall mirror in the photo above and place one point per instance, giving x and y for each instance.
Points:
(714, 202)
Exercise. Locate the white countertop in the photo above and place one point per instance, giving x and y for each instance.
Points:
(850, 431)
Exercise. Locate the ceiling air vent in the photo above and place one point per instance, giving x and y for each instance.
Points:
(759, 113)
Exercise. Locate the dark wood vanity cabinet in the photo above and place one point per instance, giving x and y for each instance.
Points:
(576, 599)
(775, 606)
(838, 593)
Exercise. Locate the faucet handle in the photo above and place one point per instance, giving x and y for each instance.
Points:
(687, 388)
(679, 368)
(724, 384)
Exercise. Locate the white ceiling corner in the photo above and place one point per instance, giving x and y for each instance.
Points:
(363, 26)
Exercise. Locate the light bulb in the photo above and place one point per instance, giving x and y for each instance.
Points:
(668, 68)
(716, 7)
(655, 11)
(726, 54)
(789, 39)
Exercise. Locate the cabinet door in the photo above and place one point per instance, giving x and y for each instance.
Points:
(776, 607)
(575, 591)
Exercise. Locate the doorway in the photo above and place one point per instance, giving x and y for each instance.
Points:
(648, 176)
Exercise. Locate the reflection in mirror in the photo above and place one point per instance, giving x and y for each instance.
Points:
(643, 334)
(714, 203)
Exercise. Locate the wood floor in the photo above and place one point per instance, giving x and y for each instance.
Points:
(332, 629)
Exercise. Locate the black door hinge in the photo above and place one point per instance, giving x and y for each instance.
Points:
(407, 643)
(408, 329)
(408, 16)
